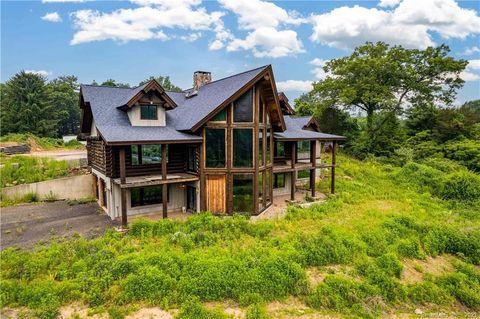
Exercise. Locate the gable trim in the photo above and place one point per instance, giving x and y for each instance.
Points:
(152, 85)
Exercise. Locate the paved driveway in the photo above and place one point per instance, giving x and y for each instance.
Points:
(28, 224)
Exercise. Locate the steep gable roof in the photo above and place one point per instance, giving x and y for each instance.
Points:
(296, 130)
(192, 111)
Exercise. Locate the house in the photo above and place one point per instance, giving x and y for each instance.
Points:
(230, 145)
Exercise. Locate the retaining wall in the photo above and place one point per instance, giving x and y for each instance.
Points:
(74, 187)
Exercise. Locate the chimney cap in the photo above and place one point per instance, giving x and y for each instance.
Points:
(204, 72)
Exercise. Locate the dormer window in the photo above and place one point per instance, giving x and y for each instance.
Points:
(148, 112)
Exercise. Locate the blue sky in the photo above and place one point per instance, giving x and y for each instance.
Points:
(132, 40)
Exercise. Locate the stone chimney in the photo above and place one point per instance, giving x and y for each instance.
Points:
(200, 78)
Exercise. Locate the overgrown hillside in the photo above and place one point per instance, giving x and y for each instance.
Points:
(393, 240)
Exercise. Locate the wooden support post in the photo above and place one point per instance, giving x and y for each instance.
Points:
(294, 172)
(164, 178)
(334, 160)
(313, 171)
(123, 191)
(201, 173)
(255, 151)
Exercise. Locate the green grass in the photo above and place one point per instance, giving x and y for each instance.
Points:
(21, 169)
(44, 143)
(380, 216)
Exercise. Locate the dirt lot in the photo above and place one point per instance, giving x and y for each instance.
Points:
(26, 225)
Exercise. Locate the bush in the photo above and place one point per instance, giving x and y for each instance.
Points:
(329, 246)
(428, 292)
(257, 311)
(149, 284)
(424, 177)
(193, 309)
(410, 247)
(463, 186)
(443, 164)
(466, 152)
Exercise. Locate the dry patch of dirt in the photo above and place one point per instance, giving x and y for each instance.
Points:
(295, 308)
(77, 310)
(230, 307)
(414, 270)
(151, 313)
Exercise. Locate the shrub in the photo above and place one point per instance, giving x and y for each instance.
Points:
(342, 294)
(390, 264)
(149, 284)
(443, 164)
(467, 152)
(410, 247)
(329, 246)
(461, 186)
(424, 177)
(459, 285)
(193, 309)
(428, 292)
(31, 197)
(257, 311)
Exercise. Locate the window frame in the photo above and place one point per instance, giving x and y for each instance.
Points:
(149, 106)
(225, 145)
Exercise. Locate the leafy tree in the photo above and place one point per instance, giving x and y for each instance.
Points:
(164, 81)
(112, 82)
(421, 118)
(25, 106)
(377, 78)
(63, 96)
(449, 125)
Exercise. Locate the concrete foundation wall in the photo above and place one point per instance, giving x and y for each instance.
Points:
(75, 187)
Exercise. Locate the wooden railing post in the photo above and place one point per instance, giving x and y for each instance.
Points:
(313, 160)
(123, 191)
(164, 179)
(294, 172)
(334, 161)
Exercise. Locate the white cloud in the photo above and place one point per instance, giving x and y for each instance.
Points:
(145, 22)
(192, 37)
(471, 71)
(474, 64)
(472, 50)
(268, 42)
(318, 69)
(52, 17)
(294, 85)
(388, 3)
(39, 72)
(263, 21)
(410, 24)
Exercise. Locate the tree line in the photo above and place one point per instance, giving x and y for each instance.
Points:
(31, 104)
(405, 99)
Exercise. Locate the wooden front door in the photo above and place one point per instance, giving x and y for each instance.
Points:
(216, 194)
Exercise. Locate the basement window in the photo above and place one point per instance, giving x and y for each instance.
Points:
(142, 196)
(148, 112)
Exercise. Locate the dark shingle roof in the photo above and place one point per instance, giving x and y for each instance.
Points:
(114, 124)
(191, 111)
(295, 130)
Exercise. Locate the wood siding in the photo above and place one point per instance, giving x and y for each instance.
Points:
(216, 193)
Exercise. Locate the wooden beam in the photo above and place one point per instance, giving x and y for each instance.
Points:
(334, 161)
(123, 192)
(313, 159)
(294, 172)
(164, 178)
(255, 149)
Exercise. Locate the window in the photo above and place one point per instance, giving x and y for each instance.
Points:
(267, 152)
(260, 189)
(147, 154)
(191, 198)
(268, 186)
(261, 111)
(303, 150)
(243, 108)
(192, 162)
(243, 193)
(280, 149)
(148, 112)
(141, 196)
(260, 148)
(279, 180)
(243, 147)
(215, 147)
(303, 174)
(220, 117)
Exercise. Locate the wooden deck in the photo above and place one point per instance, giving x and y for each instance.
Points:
(151, 180)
